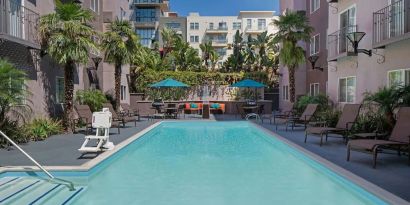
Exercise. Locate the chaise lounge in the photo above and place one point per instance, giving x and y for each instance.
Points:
(399, 138)
(343, 126)
(304, 119)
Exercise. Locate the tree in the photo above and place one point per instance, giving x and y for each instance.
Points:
(206, 49)
(169, 37)
(292, 28)
(66, 35)
(185, 57)
(120, 43)
(12, 91)
(261, 43)
(238, 58)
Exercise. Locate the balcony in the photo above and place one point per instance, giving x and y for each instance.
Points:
(252, 30)
(146, 22)
(219, 42)
(217, 30)
(391, 24)
(163, 4)
(18, 24)
(338, 44)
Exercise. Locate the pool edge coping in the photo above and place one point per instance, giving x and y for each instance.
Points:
(361, 182)
(87, 166)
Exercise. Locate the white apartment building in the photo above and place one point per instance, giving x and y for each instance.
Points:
(221, 29)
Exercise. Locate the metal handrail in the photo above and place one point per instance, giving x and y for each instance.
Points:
(69, 184)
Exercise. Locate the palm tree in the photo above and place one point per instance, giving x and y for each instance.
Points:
(185, 57)
(12, 91)
(292, 28)
(249, 53)
(206, 49)
(120, 43)
(67, 38)
(169, 37)
(261, 43)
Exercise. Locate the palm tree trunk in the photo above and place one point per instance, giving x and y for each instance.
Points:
(292, 88)
(68, 93)
(117, 86)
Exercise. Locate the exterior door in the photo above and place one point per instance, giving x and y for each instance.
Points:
(347, 25)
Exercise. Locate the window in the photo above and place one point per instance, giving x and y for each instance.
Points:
(148, 14)
(314, 5)
(285, 92)
(398, 77)
(95, 6)
(222, 25)
(146, 35)
(211, 26)
(221, 52)
(314, 44)
(347, 89)
(314, 89)
(123, 13)
(123, 92)
(237, 25)
(194, 26)
(248, 23)
(59, 90)
(194, 39)
(173, 25)
(261, 24)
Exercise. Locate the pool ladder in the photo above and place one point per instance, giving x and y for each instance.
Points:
(253, 115)
(52, 178)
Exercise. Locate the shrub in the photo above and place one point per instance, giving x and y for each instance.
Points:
(329, 116)
(40, 129)
(95, 99)
(303, 101)
(13, 131)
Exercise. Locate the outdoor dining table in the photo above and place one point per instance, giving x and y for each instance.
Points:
(171, 111)
(249, 108)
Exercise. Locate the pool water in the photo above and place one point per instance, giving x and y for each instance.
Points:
(215, 163)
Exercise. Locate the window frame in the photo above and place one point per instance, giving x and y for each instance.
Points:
(346, 97)
(263, 24)
(403, 77)
(314, 3)
(316, 90)
(95, 6)
(313, 43)
(58, 100)
(285, 92)
(123, 93)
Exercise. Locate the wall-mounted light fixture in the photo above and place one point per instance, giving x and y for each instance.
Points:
(313, 59)
(355, 38)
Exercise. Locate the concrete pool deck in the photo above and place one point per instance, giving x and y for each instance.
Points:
(392, 173)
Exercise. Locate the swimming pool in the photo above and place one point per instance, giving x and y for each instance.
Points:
(215, 163)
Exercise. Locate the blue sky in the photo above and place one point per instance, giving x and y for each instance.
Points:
(222, 7)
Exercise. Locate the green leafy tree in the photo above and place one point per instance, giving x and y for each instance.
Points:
(66, 35)
(12, 92)
(206, 49)
(262, 45)
(185, 57)
(169, 37)
(120, 43)
(292, 28)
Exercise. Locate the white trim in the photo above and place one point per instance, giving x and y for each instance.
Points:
(314, 44)
(314, 85)
(403, 80)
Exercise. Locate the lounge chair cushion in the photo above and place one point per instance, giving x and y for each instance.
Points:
(371, 144)
(194, 105)
(187, 105)
(320, 130)
(215, 106)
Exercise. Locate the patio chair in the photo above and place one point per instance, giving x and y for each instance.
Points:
(285, 113)
(84, 116)
(399, 138)
(343, 126)
(126, 108)
(304, 119)
(118, 118)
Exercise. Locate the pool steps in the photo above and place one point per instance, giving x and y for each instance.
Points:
(35, 191)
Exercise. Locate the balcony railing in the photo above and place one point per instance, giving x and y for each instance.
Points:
(148, 1)
(216, 42)
(391, 23)
(217, 29)
(339, 45)
(18, 24)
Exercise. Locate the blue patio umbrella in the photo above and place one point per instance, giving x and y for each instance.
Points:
(169, 83)
(248, 83)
